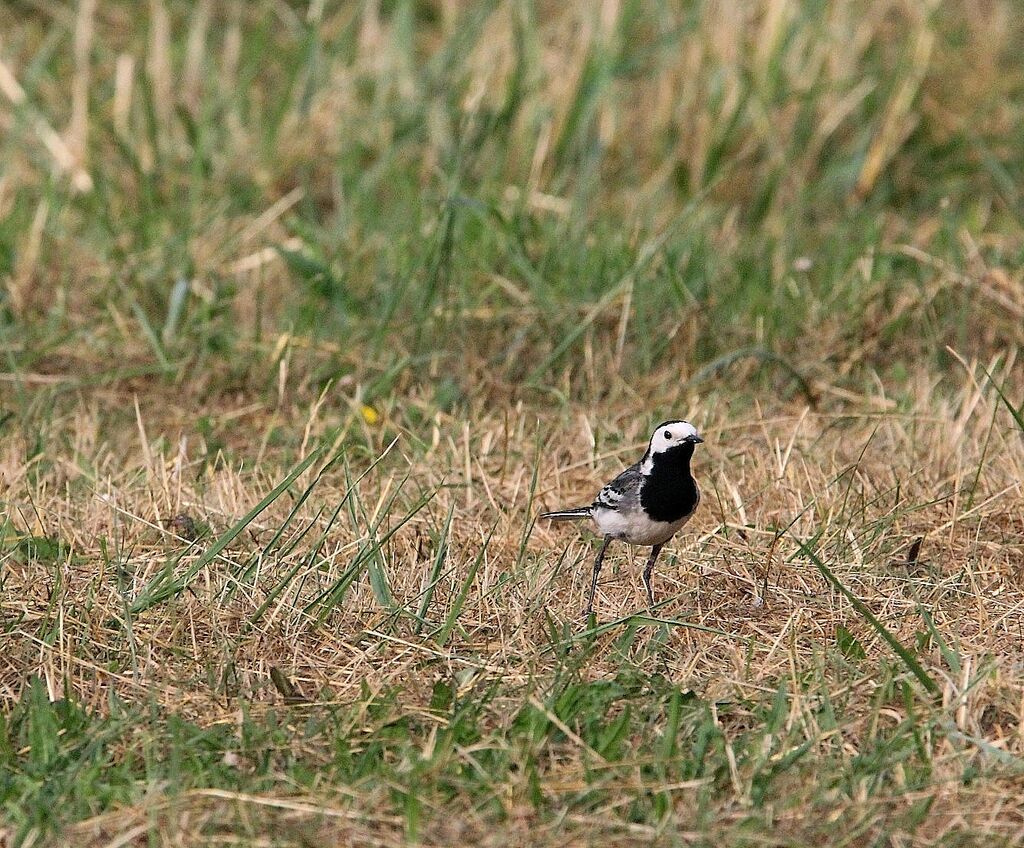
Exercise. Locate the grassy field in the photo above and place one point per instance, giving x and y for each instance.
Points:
(308, 309)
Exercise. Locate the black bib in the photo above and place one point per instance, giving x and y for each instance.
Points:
(669, 492)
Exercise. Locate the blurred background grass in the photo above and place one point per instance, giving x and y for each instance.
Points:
(541, 194)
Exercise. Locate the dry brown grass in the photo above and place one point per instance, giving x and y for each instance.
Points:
(866, 476)
(516, 232)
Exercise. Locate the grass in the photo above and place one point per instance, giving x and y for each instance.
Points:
(306, 311)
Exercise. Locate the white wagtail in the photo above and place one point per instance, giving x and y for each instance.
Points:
(646, 504)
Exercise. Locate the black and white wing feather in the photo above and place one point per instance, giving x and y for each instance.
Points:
(620, 495)
(623, 493)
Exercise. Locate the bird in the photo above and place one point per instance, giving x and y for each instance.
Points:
(647, 504)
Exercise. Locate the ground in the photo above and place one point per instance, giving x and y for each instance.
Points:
(308, 311)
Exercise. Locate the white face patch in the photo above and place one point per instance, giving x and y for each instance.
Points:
(668, 435)
(671, 434)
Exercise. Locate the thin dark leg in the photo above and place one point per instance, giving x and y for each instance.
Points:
(647, 574)
(597, 570)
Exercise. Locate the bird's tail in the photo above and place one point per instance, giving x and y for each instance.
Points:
(567, 514)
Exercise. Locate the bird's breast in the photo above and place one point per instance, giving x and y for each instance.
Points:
(635, 527)
(669, 494)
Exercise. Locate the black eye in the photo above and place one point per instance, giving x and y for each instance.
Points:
(667, 434)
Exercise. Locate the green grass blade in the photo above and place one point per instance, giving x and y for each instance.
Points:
(165, 586)
(379, 579)
(443, 542)
(1017, 413)
(908, 658)
(267, 548)
(372, 553)
(530, 520)
(175, 308)
(453, 614)
(151, 336)
(308, 559)
(952, 658)
(335, 593)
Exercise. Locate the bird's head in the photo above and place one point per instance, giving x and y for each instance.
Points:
(673, 434)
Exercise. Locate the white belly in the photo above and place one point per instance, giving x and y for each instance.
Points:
(635, 527)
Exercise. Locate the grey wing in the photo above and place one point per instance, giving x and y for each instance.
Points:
(623, 493)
